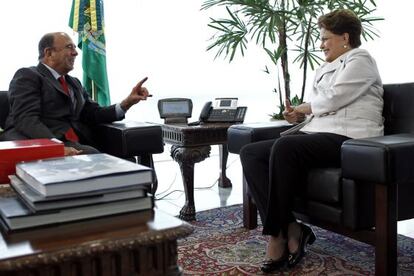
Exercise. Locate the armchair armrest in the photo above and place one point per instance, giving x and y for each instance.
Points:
(127, 139)
(243, 134)
(383, 160)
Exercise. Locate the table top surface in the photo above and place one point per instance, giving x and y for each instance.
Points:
(89, 237)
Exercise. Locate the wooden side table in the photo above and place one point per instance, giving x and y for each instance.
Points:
(141, 243)
(190, 145)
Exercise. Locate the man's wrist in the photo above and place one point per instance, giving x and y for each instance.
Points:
(120, 112)
(125, 105)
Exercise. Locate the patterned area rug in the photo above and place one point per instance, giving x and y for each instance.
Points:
(220, 245)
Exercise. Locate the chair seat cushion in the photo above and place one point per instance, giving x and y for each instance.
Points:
(324, 212)
(325, 185)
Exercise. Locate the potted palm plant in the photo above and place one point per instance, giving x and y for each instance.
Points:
(281, 27)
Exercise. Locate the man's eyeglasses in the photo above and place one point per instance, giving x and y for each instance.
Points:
(70, 47)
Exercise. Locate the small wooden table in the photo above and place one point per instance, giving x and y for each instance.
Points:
(190, 145)
(141, 243)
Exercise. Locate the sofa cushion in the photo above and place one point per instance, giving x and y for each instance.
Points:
(324, 212)
(325, 185)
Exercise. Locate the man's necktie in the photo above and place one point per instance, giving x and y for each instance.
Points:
(70, 135)
(64, 84)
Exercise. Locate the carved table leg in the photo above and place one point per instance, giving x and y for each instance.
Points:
(186, 158)
(223, 181)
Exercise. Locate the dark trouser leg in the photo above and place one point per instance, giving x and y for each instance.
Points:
(291, 158)
(254, 158)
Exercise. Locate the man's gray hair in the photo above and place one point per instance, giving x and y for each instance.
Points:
(45, 42)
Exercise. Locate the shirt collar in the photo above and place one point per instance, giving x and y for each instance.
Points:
(55, 74)
(330, 66)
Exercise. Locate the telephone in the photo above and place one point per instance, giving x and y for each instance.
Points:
(222, 110)
(175, 110)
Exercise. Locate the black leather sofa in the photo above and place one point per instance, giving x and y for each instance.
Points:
(134, 141)
(371, 191)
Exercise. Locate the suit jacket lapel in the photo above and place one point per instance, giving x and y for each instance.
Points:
(48, 75)
(77, 91)
(326, 68)
(330, 66)
(75, 85)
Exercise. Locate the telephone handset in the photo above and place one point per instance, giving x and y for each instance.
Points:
(223, 110)
(205, 112)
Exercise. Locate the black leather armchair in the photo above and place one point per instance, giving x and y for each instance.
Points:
(129, 140)
(371, 191)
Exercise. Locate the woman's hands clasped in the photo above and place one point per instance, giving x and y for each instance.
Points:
(296, 114)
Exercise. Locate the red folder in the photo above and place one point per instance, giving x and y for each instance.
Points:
(12, 152)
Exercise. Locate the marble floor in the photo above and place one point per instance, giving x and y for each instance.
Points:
(170, 195)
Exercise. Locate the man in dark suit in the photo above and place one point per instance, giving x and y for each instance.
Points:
(45, 102)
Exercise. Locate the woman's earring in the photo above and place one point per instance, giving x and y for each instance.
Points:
(345, 46)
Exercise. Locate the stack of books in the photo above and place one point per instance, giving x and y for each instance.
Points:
(71, 188)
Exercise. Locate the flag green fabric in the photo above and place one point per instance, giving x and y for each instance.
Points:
(87, 18)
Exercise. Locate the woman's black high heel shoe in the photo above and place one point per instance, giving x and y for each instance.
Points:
(270, 265)
(306, 237)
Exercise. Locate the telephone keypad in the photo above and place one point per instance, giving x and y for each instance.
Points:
(222, 115)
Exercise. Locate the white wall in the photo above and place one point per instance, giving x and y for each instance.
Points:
(166, 41)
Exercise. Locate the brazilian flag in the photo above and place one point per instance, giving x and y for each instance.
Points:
(87, 19)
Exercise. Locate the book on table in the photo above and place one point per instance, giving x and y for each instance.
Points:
(73, 229)
(81, 173)
(12, 152)
(15, 215)
(37, 202)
